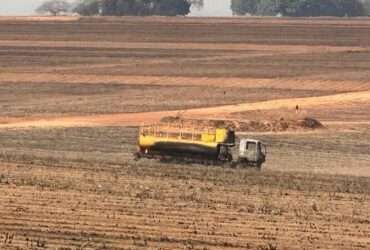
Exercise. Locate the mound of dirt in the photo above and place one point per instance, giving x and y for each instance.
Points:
(280, 125)
(310, 123)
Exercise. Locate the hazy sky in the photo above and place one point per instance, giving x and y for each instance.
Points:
(26, 7)
(18, 7)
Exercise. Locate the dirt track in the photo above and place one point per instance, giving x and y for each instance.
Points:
(229, 82)
(136, 119)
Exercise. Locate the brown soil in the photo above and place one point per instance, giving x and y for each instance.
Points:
(235, 112)
(280, 125)
(70, 88)
(70, 187)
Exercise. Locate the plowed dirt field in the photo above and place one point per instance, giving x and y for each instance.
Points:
(74, 90)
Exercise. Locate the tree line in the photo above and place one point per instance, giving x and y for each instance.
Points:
(119, 7)
(301, 8)
(295, 8)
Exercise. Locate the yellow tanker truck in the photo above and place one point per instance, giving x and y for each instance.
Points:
(205, 146)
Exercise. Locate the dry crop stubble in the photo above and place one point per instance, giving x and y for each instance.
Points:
(121, 202)
(72, 184)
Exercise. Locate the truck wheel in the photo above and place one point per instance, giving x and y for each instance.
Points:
(259, 166)
(137, 156)
(233, 164)
(229, 157)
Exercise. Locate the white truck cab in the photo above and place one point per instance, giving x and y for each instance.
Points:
(251, 153)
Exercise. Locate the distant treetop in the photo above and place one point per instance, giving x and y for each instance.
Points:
(133, 7)
(54, 7)
(301, 8)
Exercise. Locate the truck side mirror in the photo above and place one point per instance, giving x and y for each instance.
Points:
(264, 149)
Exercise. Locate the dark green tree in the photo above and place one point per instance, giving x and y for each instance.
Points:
(243, 7)
(352, 8)
(255, 7)
(289, 7)
(134, 7)
(268, 8)
(87, 7)
(366, 4)
(171, 7)
(339, 8)
(299, 7)
(54, 7)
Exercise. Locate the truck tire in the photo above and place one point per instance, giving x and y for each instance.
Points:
(258, 166)
(234, 164)
(137, 156)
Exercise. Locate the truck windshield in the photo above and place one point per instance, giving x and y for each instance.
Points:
(251, 146)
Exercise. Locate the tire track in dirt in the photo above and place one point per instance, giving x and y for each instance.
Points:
(281, 83)
(228, 56)
(60, 69)
(193, 45)
(135, 119)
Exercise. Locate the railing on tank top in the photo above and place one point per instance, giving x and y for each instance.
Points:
(176, 131)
